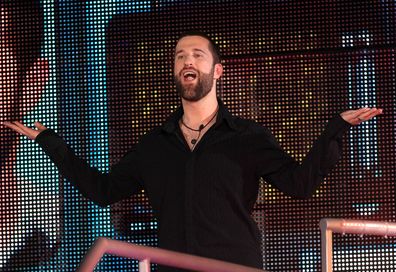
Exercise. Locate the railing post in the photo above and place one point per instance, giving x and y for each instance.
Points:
(328, 226)
(144, 265)
(327, 247)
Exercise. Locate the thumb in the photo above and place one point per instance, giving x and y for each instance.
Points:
(39, 126)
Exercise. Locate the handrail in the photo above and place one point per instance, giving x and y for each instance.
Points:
(145, 255)
(328, 226)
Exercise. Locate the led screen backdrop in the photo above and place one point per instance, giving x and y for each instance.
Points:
(102, 77)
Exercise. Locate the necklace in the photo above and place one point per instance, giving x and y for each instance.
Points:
(201, 127)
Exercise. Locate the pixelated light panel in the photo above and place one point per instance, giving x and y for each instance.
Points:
(100, 74)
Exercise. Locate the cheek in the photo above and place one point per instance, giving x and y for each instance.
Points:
(176, 70)
(205, 67)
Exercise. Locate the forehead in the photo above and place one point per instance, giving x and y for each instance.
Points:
(192, 42)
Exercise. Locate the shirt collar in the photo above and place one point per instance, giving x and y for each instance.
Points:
(223, 115)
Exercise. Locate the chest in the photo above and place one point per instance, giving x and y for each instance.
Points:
(215, 168)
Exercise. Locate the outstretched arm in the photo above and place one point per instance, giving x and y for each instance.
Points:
(302, 179)
(102, 188)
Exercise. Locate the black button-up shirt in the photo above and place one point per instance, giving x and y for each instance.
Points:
(203, 198)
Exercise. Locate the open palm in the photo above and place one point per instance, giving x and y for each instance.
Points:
(24, 130)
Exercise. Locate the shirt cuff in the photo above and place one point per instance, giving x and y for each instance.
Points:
(337, 127)
(47, 138)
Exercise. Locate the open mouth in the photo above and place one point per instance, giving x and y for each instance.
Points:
(189, 75)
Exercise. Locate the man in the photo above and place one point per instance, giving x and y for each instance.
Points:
(25, 239)
(201, 169)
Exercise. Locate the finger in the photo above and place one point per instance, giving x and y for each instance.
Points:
(39, 126)
(370, 114)
(360, 111)
(25, 130)
(353, 114)
(22, 129)
(14, 127)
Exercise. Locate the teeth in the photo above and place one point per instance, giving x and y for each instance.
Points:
(189, 74)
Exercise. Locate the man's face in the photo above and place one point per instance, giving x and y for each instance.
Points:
(8, 71)
(193, 68)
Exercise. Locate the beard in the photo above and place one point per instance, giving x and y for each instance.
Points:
(195, 92)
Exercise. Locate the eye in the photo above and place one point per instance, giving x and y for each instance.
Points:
(198, 55)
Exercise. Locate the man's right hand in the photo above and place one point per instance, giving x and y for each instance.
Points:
(24, 130)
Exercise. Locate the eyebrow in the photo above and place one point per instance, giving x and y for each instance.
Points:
(194, 49)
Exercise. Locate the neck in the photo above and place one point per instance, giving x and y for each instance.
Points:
(195, 113)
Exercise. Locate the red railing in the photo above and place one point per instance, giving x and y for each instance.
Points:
(147, 255)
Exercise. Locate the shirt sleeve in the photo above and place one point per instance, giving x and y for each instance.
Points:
(302, 179)
(102, 188)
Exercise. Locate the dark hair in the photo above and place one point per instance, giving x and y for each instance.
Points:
(25, 29)
(214, 49)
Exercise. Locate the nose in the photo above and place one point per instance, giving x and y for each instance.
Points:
(188, 61)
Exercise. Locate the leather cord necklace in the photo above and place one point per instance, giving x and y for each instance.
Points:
(199, 130)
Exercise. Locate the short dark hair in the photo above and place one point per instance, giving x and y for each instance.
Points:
(214, 49)
(25, 30)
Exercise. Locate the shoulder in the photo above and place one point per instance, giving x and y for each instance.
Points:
(250, 126)
(252, 135)
(151, 135)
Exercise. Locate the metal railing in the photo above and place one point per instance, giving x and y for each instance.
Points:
(145, 255)
(328, 226)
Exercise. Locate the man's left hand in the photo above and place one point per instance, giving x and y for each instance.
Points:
(355, 117)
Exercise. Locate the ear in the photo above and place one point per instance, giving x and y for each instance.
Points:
(218, 71)
(34, 84)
